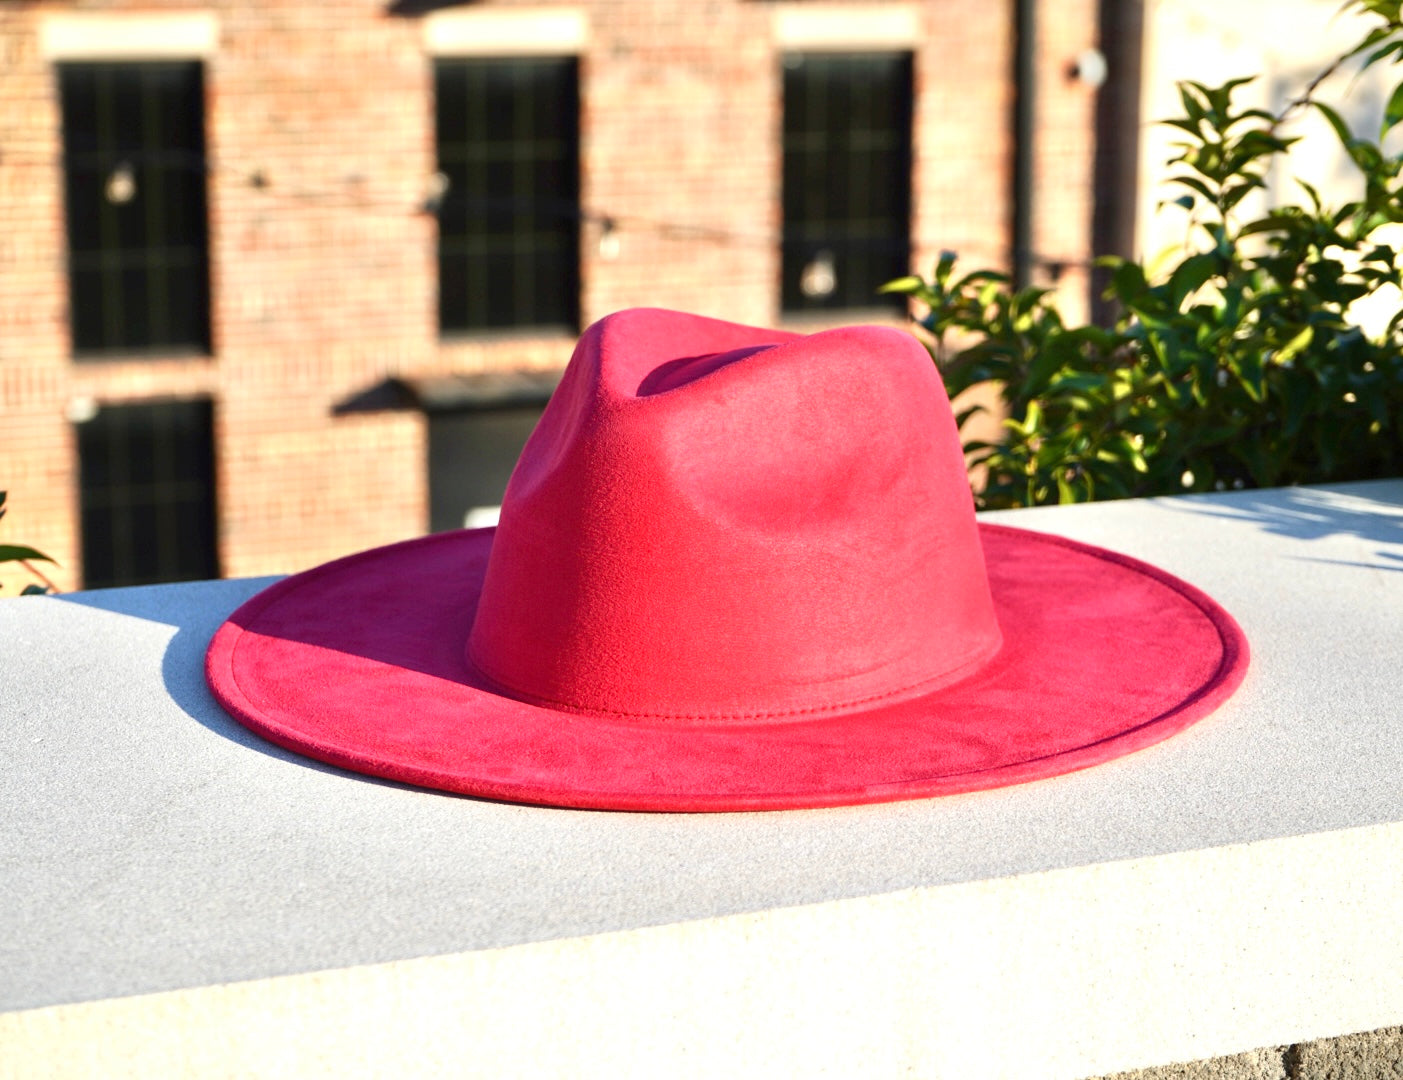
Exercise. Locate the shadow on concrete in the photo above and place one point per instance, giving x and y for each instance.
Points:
(1372, 512)
(183, 664)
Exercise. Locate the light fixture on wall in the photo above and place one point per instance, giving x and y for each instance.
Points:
(81, 409)
(434, 192)
(1089, 68)
(608, 238)
(819, 277)
(120, 188)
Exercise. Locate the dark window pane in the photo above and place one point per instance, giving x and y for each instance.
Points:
(471, 458)
(847, 178)
(78, 87)
(194, 535)
(144, 558)
(128, 219)
(550, 265)
(99, 562)
(134, 150)
(136, 327)
(85, 203)
(508, 140)
(88, 294)
(184, 309)
(147, 488)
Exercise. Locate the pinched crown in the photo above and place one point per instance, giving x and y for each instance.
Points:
(714, 522)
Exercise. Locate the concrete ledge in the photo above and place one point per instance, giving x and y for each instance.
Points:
(546, 31)
(1177, 956)
(182, 898)
(88, 35)
(846, 28)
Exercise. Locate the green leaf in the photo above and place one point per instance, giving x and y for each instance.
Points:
(1235, 193)
(1293, 347)
(1225, 91)
(1312, 192)
(1044, 366)
(1184, 125)
(1370, 40)
(1251, 376)
(1193, 107)
(1128, 283)
(16, 552)
(980, 276)
(1335, 121)
(1252, 114)
(1378, 54)
(990, 291)
(1277, 221)
(1365, 155)
(907, 284)
(1193, 183)
(1032, 420)
(1393, 111)
(965, 414)
(1188, 277)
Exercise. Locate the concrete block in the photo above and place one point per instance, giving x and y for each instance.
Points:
(1370, 1055)
(1268, 1064)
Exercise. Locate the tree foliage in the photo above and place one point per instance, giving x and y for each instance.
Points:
(1237, 365)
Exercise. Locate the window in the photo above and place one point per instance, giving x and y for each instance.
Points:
(471, 457)
(508, 151)
(847, 178)
(147, 484)
(134, 174)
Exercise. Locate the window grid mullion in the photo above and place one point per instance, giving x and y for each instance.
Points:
(508, 253)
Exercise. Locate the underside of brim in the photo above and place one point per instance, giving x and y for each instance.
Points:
(359, 663)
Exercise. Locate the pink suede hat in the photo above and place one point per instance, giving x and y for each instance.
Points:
(736, 569)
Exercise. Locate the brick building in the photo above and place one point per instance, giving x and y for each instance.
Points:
(263, 262)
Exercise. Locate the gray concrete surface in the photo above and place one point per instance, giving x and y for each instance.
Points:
(151, 843)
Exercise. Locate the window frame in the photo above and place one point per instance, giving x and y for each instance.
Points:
(173, 496)
(851, 249)
(136, 207)
(499, 235)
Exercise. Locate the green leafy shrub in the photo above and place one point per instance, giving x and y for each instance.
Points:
(1237, 366)
(24, 555)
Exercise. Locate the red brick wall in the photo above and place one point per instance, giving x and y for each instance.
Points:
(320, 133)
(36, 444)
(1065, 152)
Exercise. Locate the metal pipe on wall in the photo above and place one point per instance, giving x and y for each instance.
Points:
(1117, 175)
(1025, 42)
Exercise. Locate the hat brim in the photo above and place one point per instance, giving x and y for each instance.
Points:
(359, 663)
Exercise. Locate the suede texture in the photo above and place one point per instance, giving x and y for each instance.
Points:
(760, 528)
(736, 569)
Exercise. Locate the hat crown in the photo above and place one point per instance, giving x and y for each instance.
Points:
(717, 522)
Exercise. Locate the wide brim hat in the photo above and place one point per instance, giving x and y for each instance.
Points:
(736, 569)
